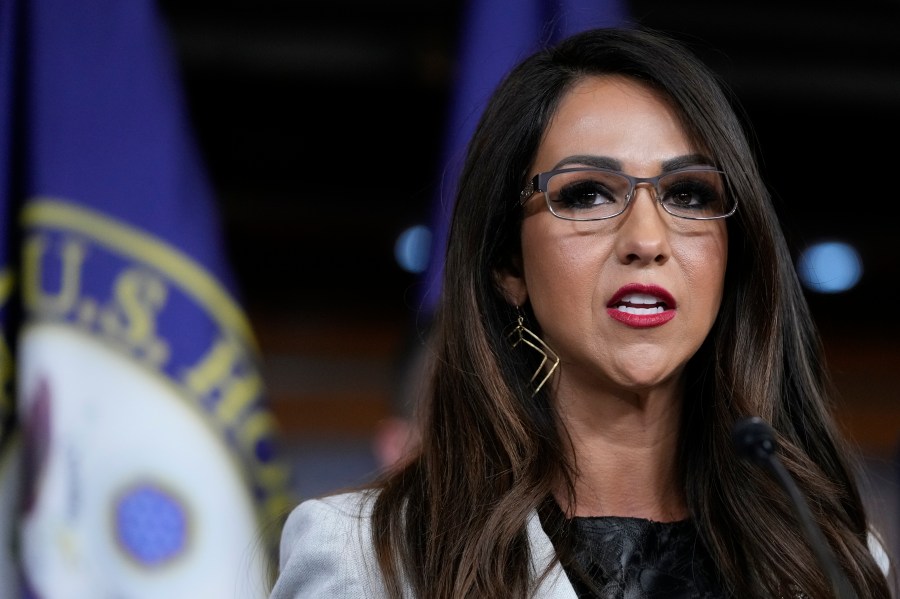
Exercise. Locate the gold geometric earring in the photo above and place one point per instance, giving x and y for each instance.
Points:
(549, 359)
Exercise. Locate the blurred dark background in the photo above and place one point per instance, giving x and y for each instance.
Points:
(322, 123)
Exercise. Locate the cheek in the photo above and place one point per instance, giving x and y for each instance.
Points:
(543, 262)
(561, 269)
(704, 267)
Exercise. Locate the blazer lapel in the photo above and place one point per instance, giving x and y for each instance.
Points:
(556, 584)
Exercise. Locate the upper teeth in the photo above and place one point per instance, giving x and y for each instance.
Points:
(630, 303)
(640, 298)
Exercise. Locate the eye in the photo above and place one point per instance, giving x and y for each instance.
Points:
(585, 193)
(590, 193)
(698, 192)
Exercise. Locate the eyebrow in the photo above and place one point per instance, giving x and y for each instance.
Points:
(607, 162)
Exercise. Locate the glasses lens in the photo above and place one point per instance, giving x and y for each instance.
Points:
(587, 194)
(695, 194)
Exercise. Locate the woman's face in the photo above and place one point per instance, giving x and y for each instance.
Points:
(625, 302)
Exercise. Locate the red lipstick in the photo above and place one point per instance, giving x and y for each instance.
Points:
(642, 306)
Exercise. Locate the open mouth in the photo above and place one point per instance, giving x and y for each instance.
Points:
(640, 304)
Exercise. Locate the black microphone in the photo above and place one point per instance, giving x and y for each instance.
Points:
(755, 441)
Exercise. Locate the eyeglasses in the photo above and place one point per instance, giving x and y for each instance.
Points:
(588, 193)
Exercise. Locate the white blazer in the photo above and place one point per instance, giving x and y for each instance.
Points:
(326, 553)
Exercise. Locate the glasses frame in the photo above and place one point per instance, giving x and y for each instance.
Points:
(539, 182)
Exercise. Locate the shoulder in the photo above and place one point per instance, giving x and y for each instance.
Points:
(342, 509)
(876, 547)
(326, 549)
(333, 515)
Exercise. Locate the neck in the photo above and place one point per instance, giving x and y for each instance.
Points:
(625, 456)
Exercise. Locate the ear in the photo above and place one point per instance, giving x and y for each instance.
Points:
(510, 280)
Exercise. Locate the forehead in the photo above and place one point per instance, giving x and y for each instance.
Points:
(614, 116)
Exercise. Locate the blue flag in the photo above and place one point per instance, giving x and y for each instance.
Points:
(495, 35)
(131, 374)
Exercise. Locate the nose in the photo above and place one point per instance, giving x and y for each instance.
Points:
(643, 236)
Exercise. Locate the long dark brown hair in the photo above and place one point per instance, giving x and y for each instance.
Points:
(451, 520)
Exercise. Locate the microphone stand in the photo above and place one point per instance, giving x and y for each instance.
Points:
(755, 441)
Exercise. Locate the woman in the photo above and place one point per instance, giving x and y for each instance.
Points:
(617, 294)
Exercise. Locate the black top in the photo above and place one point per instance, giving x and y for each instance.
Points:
(634, 558)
